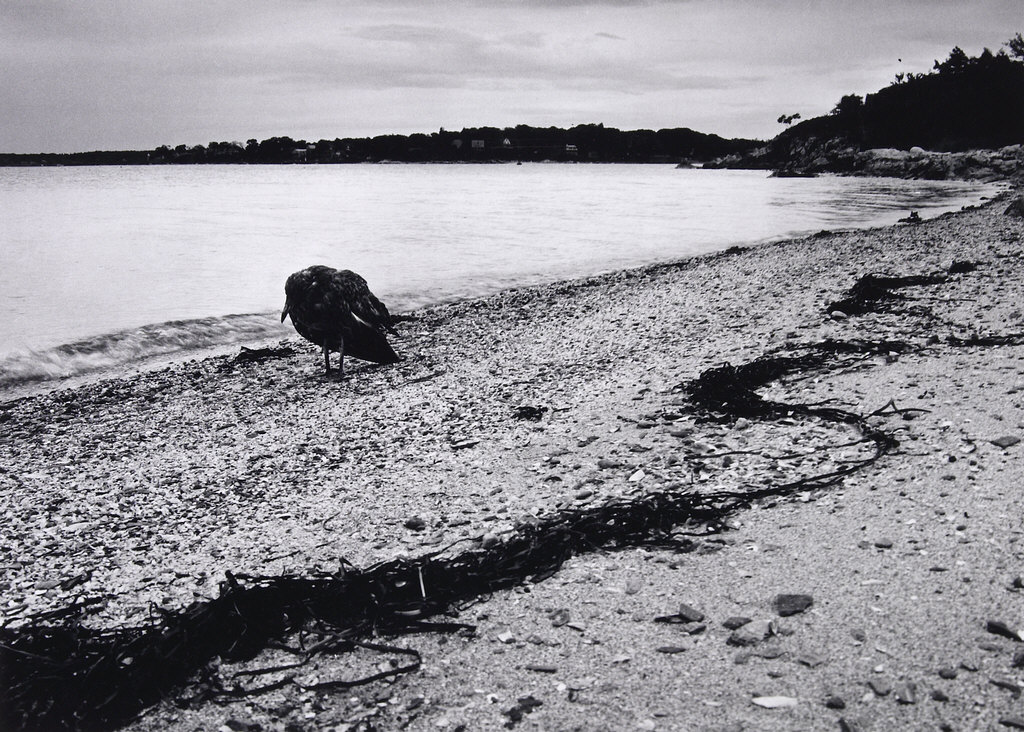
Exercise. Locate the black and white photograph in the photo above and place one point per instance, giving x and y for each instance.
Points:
(548, 366)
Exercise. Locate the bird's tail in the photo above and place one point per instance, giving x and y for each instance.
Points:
(370, 344)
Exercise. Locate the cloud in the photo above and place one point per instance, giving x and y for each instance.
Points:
(76, 74)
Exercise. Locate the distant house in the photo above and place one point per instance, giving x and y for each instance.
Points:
(301, 154)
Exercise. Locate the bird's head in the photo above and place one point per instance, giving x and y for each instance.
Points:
(286, 311)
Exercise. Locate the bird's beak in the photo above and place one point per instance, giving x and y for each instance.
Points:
(284, 313)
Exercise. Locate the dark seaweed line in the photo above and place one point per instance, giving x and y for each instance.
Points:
(56, 673)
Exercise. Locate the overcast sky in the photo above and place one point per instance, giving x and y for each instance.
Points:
(81, 75)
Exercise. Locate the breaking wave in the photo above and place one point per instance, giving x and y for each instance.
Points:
(135, 345)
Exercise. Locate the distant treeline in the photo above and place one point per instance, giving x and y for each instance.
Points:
(964, 103)
(583, 143)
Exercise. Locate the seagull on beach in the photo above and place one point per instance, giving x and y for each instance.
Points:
(336, 310)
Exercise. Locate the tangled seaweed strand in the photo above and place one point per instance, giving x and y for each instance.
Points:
(730, 391)
(871, 291)
(56, 673)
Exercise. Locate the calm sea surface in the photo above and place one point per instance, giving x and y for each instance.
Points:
(101, 266)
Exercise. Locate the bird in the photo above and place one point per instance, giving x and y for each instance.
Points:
(335, 310)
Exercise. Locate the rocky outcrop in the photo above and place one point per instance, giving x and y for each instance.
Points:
(836, 155)
(1003, 164)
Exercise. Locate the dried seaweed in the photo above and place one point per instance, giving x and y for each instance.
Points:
(529, 412)
(871, 291)
(259, 355)
(983, 341)
(727, 392)
(57, 673)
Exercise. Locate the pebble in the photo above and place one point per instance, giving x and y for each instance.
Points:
(811, 660)
(1018, 659)
(906, 693)
(998, 627)
(670, 649)
(1005, 441)
(750, 633)
(1012, 722)
(559, 617)
(774, 702)
(541, 668)
(786, 605)
(415, 523)
(850, 725)
(835, 702)
(881, 687)
(883, 543)
(1004, 682)
(606, 464)
(237, 725)
(948, 673)
(939, 695)
(690, 614)
(736, 621)
(637, 476)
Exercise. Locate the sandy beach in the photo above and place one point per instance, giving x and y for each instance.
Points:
(143, 491)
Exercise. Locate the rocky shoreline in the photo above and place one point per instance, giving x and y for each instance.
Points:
(837, 155)
(147, 489)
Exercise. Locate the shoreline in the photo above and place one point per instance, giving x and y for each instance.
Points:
(83, 361)
(155, 484)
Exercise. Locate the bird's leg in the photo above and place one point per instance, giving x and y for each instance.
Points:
(327, 359)
(341, 358)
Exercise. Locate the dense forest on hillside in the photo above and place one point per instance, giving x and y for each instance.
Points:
(963, 103)
(584, 143)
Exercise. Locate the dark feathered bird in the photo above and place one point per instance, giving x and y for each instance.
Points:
(336, 310)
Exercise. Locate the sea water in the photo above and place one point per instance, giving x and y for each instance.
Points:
(103, 266)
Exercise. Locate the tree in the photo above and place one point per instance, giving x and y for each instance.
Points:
(848, 106)
(788, 119)
(957, 62)
(1016, 46)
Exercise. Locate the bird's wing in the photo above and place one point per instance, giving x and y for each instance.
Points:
(364, 304)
